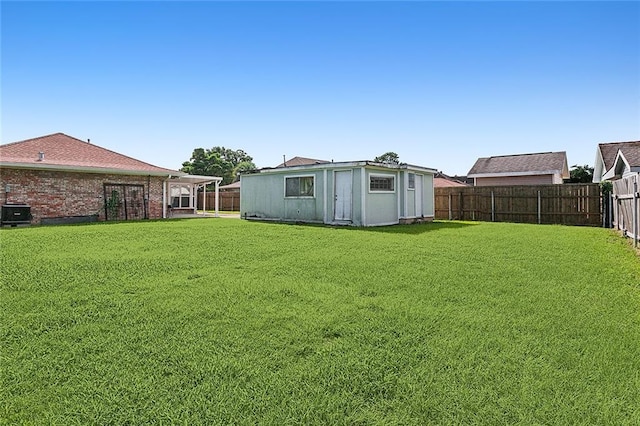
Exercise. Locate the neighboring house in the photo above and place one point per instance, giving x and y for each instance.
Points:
(441, 180)
(616, 160)
(360, 193)
(64, 179)
(524, 169)
(301, 161)
(232, 187)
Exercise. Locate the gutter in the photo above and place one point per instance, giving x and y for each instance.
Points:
(85, 169)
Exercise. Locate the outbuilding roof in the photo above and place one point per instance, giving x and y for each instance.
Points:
(521, 164)
(59, 151)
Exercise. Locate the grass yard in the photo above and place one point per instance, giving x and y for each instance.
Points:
(219, 321)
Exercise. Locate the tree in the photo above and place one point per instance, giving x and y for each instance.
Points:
(388, 158)
(218, 161)
(581, 174)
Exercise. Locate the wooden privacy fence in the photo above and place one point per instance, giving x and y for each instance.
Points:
(625, 207)
(229, 201)
(567, 204)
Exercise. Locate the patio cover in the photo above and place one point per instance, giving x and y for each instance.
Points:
(197, 181)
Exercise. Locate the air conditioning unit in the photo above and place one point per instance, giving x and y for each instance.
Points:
(15, 214)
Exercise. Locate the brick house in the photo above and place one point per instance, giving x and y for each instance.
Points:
(543, 168)
(63, 178)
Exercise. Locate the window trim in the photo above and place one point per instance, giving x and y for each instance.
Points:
(298, 177)
(382, 191)
(182, 195)
(409, 187)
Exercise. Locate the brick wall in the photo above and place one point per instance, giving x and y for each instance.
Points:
(63, 194)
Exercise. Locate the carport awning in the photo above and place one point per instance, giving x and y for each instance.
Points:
(196, 179)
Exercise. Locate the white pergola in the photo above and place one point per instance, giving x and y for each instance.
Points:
(187, 187)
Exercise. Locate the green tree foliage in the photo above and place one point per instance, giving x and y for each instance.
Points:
(218, 161)
(581, 174)
(388, 158)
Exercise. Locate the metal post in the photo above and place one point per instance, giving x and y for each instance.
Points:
(217, 202)
(539, 210)
(204, 200)
(493, 208)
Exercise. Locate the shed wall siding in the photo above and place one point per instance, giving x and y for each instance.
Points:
(382, 207)
(262, 196)
(62, 194)
(428, 196)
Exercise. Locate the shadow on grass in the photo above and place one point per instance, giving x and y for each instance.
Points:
(415, 228)
(410, 229)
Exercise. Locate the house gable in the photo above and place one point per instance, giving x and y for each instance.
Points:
(609, 155)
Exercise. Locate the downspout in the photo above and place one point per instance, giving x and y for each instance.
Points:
(164, 197)
(147, 211)
(406, 195)
(398, 194)
(325, 195)
(363, 195)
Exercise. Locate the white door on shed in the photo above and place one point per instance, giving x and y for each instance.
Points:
(418, 192)
(343, 195)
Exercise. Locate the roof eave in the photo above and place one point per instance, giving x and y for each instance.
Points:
(347, 164)
(508, 174)
(196, 179)
(86, 169)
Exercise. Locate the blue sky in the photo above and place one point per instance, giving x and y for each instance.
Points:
(440, 83)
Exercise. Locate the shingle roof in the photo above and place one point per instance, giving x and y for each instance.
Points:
(537, 163)
(630, 150)
(234, 185)
(66, 152)
(440, 180)
(301, 161)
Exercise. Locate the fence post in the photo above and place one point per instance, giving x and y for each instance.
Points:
(450, 212)
(610, 201)
(493, 208)
(539, 210)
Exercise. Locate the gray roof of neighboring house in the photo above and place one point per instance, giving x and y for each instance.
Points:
(234, 185)
(630, 150)
(301, 161)
(538, 163)
(440, 180)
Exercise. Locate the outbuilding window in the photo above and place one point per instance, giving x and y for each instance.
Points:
(299, 186)
(412, 181)
(381, 183)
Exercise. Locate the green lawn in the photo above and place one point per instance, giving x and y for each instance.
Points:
(221, 321)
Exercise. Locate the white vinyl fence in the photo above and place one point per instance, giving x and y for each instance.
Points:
(626, 196)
